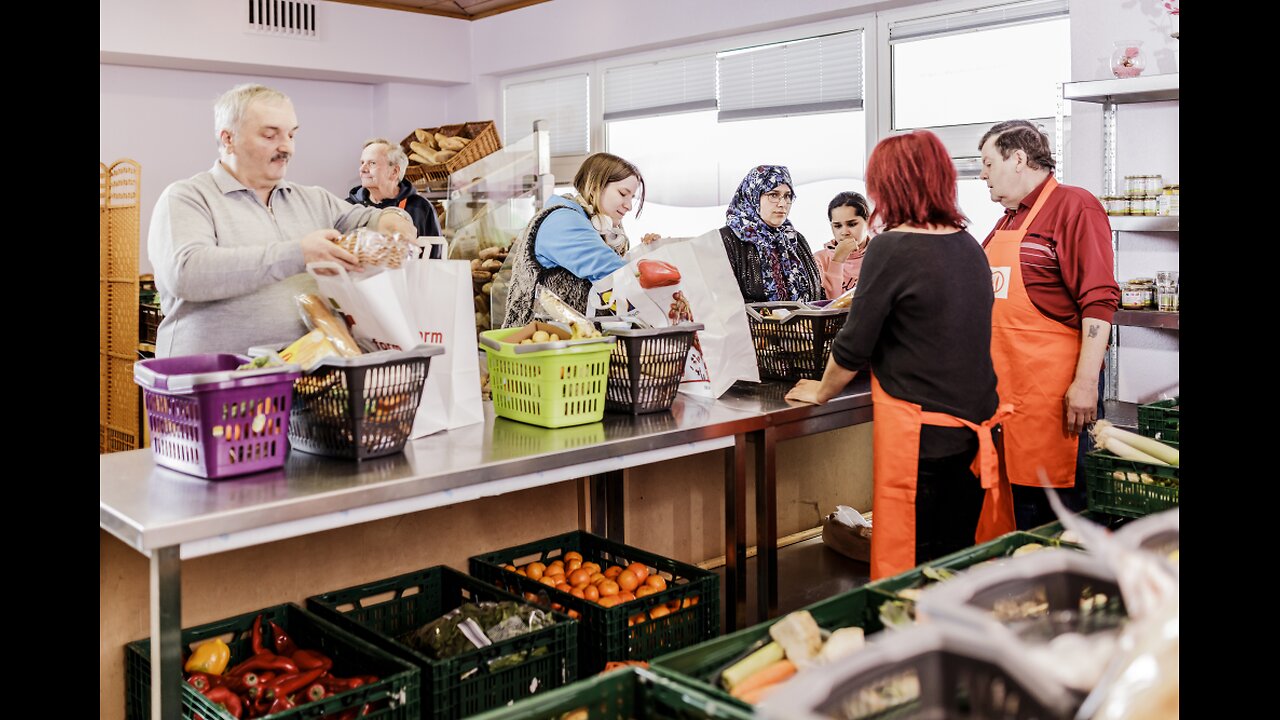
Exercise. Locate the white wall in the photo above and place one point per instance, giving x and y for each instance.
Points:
(353, 43)
(164, 119)
(1147, 143)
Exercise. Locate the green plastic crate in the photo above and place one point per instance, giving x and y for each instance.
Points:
(1002, 546)
(603, 634)
(395, 694)
(551, 388)
(1159, 420)
(697, 666)
(627, 694)
(1052, 531)
(461, 685)
(1129, 497)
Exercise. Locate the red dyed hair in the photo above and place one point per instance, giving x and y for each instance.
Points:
(912, 181)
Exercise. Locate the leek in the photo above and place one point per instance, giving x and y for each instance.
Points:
(1163, 453)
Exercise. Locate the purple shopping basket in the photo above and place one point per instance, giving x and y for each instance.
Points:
(208, 419)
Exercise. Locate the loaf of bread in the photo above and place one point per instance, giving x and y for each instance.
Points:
(316, 315)
(453, 143)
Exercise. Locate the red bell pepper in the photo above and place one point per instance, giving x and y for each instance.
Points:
(656, 274)
(310, 660)
(265, 661)
(284, 644)
(227, 699)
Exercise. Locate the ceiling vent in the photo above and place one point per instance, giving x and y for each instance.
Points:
(293, 18)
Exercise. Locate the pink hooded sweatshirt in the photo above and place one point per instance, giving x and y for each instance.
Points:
(837, 278)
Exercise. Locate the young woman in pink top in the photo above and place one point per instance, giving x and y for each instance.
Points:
(841, 258)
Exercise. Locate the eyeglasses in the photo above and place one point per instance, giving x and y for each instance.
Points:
(779, 198)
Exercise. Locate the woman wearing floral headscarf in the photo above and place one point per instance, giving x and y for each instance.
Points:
(770, 258)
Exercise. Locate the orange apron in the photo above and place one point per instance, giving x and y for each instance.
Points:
(896, 460)
(1035, 361)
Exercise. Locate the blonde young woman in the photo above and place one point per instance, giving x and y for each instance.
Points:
(576, 239)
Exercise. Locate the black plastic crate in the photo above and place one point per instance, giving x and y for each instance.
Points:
(795, 347)
(361, 407)
(700, 666)
(1159, 420)
(465, 684)
(393, 697)
(149, 318)
(621, 695)
(646, 366)
(1128, 487)
(932, 672)
(692, 596)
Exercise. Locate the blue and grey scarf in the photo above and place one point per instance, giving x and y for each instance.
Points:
(774, 244)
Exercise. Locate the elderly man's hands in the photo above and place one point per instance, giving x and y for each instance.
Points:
(321, 246)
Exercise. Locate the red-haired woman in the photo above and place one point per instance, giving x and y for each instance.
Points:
(921, 317)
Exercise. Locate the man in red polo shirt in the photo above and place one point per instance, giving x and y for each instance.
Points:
(1052, 272)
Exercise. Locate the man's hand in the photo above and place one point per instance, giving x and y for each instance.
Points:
(650, 238)
(390, 223)
(1080, 405)
(321, 245)
(805, 391)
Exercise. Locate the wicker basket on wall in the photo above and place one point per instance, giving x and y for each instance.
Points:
(484, 141)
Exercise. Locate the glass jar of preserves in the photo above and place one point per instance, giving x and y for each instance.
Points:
(1116, 205)
(1153, 185)
(1138, 294)
(1135, 185)
(1168, 203)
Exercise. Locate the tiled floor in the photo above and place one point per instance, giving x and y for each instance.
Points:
(807, 572)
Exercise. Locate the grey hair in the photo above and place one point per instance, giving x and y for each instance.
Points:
(395, 155)
(229, 110)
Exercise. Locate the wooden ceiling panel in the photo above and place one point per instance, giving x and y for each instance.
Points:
(463, 9)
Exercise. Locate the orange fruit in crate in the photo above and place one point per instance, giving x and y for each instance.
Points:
(656, 582)
(508, 567)
(591, 592)
(597, 578)
(573, 555)
(578, 593)
(690, 602)
(521, 571)
(555, 568)
(636, 619)
(639, 570)
(531, 597)
(659, 611)
(608, 601)
(579, 577)
(626, 596)
(572, 565)
(564, 587)
(573, 614)
(644, 590)
(608, 588)
(547, 580)
(612, 572)
(591, 566)
(673, 605)
(627, 580)
(535, 570)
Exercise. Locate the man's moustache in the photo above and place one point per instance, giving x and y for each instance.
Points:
(281, 156)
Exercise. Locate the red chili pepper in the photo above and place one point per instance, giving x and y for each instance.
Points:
(311, 693)
(281, 704)
(284, 644)
(245, 684)
(258, 647)
(227, 699)
(336, 685)
(265, 661)
(204, 681)
(310, 660)
(290, 684)
(656, 274)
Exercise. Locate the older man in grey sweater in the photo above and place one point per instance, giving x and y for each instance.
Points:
(230, 246)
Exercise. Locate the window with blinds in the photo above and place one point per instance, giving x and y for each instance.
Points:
(979, 19)
(564, 102)
(813, 75)
(660, 88)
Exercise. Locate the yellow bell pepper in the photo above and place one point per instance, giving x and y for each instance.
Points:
(211, 657)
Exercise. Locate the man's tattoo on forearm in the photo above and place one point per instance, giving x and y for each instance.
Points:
(1093, 331)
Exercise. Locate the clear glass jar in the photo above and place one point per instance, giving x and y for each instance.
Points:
(1153, 185)
(1117, 205)
(1137, 295)
(1148, 204)
(1127, 60)
(1135, 185)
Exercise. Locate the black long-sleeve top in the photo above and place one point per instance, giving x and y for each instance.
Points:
(922, 318)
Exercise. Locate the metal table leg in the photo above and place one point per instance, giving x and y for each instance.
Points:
(735, 534)
(608, 505)
(766, 487)
(166, 633)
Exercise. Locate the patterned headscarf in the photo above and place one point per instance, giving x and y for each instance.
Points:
(744, 220)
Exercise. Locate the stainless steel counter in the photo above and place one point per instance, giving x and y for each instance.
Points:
(169, 516)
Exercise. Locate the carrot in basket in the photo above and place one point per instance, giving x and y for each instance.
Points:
(768, 675)
(755, 697)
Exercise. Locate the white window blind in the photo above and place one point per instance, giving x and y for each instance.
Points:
(562, 102)
(981, 18)
(819, 74)
(660, 88)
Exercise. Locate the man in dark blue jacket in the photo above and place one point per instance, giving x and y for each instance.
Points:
(382, 184)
